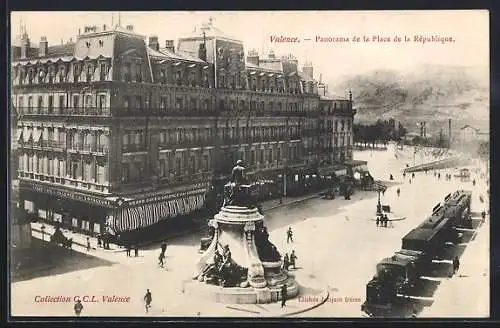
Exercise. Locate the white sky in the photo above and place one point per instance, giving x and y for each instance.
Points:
(469, 28)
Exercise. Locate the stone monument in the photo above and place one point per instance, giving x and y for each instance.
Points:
(240, 264)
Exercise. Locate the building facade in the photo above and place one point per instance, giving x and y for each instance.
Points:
(117, 132)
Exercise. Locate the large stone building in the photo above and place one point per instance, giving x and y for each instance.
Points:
(116, 131)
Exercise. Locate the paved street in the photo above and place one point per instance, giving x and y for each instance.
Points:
(336, 241)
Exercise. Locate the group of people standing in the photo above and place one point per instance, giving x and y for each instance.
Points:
(382, 220)
(289, 260)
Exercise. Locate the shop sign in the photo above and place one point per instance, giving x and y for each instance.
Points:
(69, 194)
(161, 198)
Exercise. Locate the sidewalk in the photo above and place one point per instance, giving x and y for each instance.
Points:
(80, 240)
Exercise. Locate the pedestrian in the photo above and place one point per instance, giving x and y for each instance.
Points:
(378, 221)
(78, 308)
(456, 264)
(439, 176)
(293, 257)
(483, 216)
(404, 175)
(473, 182)
(398, 192)
(148, 298)
(385, 220)
(289, 235)
(163, 247)
(284, 295)
(136, 250)
(99, 241)
(88, 244)
(160, 259)
(413, 175)
(127, 248)
(409, 181)
(286, 262)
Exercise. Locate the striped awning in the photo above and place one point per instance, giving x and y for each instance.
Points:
(149, 214)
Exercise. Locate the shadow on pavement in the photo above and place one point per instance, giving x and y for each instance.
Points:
(44, 259)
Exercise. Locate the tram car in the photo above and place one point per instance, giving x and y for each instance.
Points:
(399, 274)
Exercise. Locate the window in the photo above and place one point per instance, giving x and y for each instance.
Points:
(178, 103)
(178, 166)
(76, 101)
(138, 102)
(74, 170)
(101, 172)
(61, 102)
(88, 101)
(101, 101)
(102, 71)
(270, 157)
(162, 168)
(51, 104)
(205, 163)
(126, 102)
(39, 104)
(192, 164)
(125, 172)
(138, 72)
(89, 73)
(336, 126)
(127, 70)
(163, 103)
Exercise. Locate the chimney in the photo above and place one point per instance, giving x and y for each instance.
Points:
(308, 70)
(25, 45)
(44, 45)
(153, 43)
(350, 95)
(169, 44)
(130, 28)
(253, 57)
(202, 52)
(104, 27)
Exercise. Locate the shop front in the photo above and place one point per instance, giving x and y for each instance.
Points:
(68, 209)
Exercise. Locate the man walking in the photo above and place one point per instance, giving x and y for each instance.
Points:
(398, 192)
(127, 248)
(160, 259)
(284, 295)
(163, 247)
(378, 220)
(289, 236)
(293, 257)
(148, 298)
(88, 244)
(78, 308)
(456, 264)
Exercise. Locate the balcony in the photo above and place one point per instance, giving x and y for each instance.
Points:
(187, 144)
(100, 149)
(133, 148)
(53, 144)
(58, 111)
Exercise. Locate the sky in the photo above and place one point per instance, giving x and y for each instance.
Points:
(469, 29)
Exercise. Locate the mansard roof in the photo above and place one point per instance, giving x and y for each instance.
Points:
(165, 54)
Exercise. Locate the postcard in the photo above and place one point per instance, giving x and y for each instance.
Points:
(248, 164)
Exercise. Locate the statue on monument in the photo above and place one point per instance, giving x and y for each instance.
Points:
(238, 192)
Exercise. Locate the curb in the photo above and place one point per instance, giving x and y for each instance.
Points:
(324, 298)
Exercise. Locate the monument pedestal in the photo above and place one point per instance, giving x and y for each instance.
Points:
(253, 273)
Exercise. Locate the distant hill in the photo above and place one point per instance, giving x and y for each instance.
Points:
(431, 93)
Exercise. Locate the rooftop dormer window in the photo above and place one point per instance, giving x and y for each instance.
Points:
(87, 44)
(101, 43)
